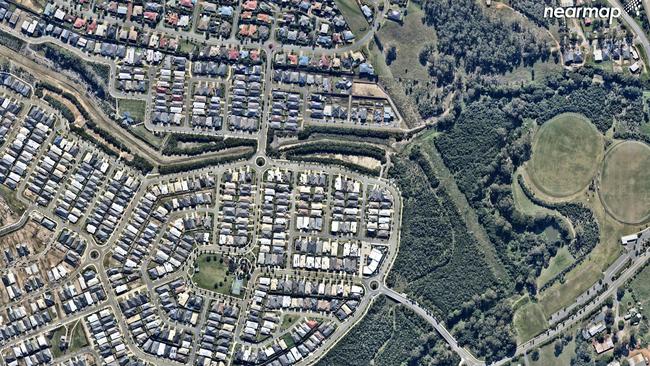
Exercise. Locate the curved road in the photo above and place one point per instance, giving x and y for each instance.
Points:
(464, 354)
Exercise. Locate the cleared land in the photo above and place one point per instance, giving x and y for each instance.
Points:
(562, 260)
(409, 38)
(529, 321)
(566, 152)
(624, 186)
(354, 17)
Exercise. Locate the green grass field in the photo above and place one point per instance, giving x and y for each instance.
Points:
(409, 39)
(135, 107)
(212, 274)
(561, 261)
(566, 152)
(624, 185)
(526, 74)
(561, 295)
(547, 355)
(354, 17)
(525, 205)
(529, 320)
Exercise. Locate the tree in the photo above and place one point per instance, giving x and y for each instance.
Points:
(621, 324)
(609, 317)
(620, 292)
(535, 355)
(559, 347)
(391, 55)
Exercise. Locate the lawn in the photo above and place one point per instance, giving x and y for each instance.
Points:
(529, 320)
(147, 136)
(354, 17)
(547, 355)
(288, 321)
(562, 260)
(212, 274)
(135, 107)
(566, 153)
(624, 186)
(561, 295)
(409, 39)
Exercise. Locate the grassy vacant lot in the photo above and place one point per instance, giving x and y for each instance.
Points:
(12, 200)
(135, 107)
(79, 339)
(529, 320)
(287, 321)
(561, 261)
(566, 152)
(354, 17)
(409, 39)
(624, 186)
(56, 341)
